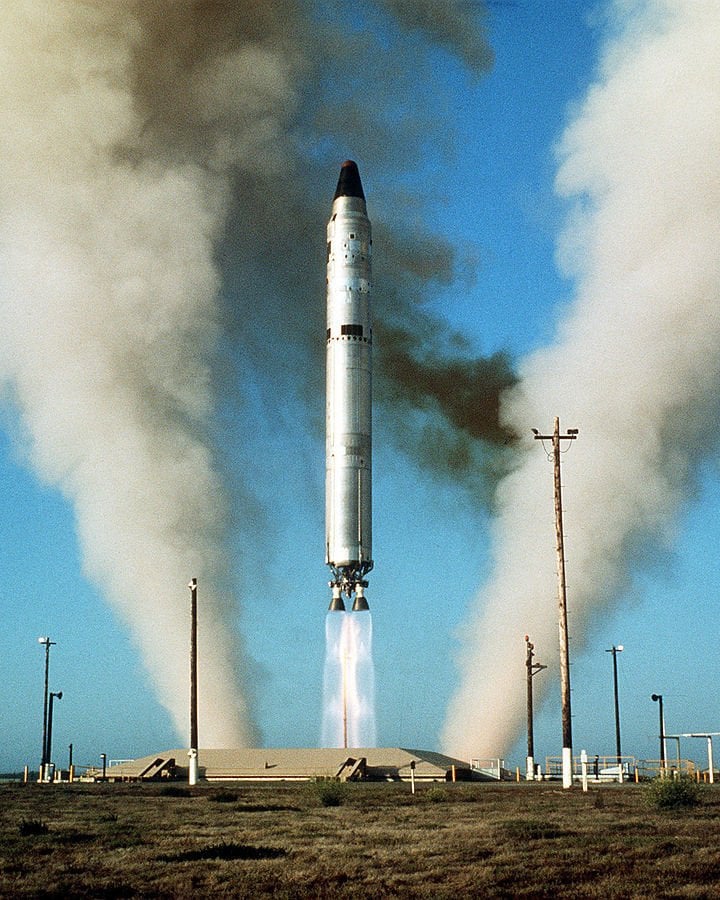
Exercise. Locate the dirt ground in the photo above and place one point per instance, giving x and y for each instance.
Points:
(446, 841)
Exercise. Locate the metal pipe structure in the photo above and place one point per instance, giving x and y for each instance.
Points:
(348, 449)
(711, 767)
(44, 757)
(708, 735)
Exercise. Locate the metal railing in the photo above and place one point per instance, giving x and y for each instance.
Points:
(606, 768)
(494, 768)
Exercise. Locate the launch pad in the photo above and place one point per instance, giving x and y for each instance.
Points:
(297, 764)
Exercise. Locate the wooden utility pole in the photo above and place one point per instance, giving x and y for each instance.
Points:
(193, 754)
(556, 437)
(532, 670)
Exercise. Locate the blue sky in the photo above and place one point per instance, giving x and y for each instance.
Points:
(493, 194)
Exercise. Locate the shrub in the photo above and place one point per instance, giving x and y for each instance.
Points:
(437, 794)
(673, 793)
(329, 792)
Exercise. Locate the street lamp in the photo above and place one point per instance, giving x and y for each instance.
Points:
(658, 699)
(44, 758)
(53, 694)
(615, 650)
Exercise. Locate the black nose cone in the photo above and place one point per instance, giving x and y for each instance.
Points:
(349, 184)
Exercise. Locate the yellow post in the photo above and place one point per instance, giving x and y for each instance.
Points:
(453, 773)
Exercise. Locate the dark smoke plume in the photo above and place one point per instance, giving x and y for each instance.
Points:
(461, 435)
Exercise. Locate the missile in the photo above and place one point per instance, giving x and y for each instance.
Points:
(348, 415)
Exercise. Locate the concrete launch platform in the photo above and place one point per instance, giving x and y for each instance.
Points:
(297, 764)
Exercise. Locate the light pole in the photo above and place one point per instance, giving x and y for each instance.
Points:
(532, 670)
(658, 699)
(44, 760)
(615, 650)
(53, 695)
(556, 437)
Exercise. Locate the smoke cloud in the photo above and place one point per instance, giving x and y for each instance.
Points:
(635, 366)
(158, 214)
(445, 22)
(109, 320)
(458, 434)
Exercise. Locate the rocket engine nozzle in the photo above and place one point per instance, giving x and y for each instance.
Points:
(360, 603)
(336, 603)
(353, 588)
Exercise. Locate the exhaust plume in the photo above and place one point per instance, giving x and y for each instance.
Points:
(635, 366)
(153, 154)
(348, 681)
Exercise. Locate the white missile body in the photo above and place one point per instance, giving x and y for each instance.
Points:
(348, 451)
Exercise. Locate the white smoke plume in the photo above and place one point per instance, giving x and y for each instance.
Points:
(152, 152)
(116, 153)
(636, 364)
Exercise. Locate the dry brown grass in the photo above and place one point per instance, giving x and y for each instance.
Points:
(112, 841)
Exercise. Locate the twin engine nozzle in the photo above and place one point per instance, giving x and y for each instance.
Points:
(340, 587)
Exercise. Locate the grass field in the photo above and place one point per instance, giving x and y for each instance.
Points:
(473, 840)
